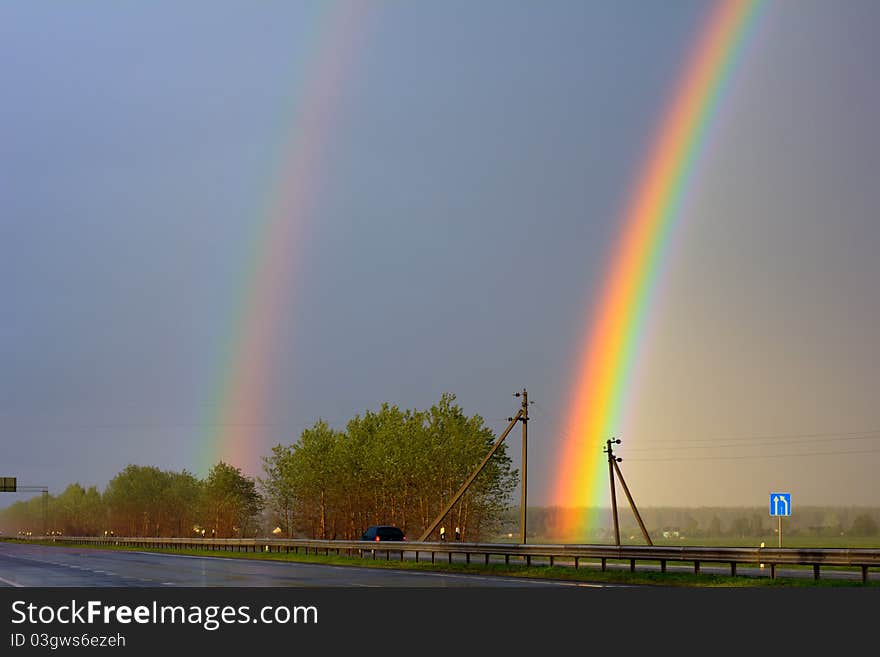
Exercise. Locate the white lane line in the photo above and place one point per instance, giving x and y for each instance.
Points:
(193, 556)
(11, 583)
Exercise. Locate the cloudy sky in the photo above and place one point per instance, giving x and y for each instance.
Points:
(464, 167)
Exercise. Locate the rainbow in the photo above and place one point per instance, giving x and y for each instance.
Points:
(239, 407)
(604, 370)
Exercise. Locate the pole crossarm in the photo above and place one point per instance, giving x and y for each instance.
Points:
(470, 479)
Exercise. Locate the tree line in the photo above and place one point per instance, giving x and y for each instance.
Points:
(389, 466)
(145, 501)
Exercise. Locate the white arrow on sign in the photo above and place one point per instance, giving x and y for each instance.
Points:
(776, 501)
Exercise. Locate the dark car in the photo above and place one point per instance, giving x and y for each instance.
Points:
(383, 533)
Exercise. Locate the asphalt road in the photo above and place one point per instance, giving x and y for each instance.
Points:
(38, 565)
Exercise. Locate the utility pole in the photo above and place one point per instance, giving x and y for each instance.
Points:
(461, 491)
(611, 463)
(612, 468)
(524, 418)
(521, 415)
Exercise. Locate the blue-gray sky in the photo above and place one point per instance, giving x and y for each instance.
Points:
(469, 190)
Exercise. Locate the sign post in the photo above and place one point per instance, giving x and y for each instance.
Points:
(780, 505)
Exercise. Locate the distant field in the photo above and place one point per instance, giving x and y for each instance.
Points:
(725, 541)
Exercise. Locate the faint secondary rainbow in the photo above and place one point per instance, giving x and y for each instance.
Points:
(264, 296)
(604, 370)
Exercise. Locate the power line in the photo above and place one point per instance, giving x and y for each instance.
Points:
(830, 434)
(757, 443)
(753, 456)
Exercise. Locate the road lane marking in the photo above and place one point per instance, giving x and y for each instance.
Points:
(11, 583)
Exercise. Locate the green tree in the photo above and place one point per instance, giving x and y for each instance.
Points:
(181, 502)
(278, 486)
(135, 501)
(78, 511)
(315, 476)
(230, 502)
(390, 466)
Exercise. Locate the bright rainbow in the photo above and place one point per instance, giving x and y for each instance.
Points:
(605, 368)
(236, 430)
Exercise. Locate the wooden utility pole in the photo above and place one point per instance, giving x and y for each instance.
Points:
(521, 415)
(612, 468)
(524, 418)
(461, 491)
(611, 462)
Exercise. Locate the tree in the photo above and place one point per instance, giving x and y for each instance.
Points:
(181, 502)
(279, 486)
(78, 512)
(390, 466)
(231, 501)
(135, 501)
(314, 475)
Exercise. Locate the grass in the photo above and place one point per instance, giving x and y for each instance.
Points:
(583, 574)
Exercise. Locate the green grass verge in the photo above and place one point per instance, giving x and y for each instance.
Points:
(567, 573)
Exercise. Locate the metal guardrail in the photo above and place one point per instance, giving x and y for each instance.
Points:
(863, 558)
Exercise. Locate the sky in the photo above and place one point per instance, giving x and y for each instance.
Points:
(465, 167)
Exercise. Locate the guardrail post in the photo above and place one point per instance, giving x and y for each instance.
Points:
(864, 574)
(662, 565)
(772, 571)
(551, 560)
(506, 559)
(487, 558)
(632, 565)
(815, 571)
(733, 568)
(604, 564)
(576, 562)
(467, 557)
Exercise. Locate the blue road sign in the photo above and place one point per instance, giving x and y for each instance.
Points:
(780, 504)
